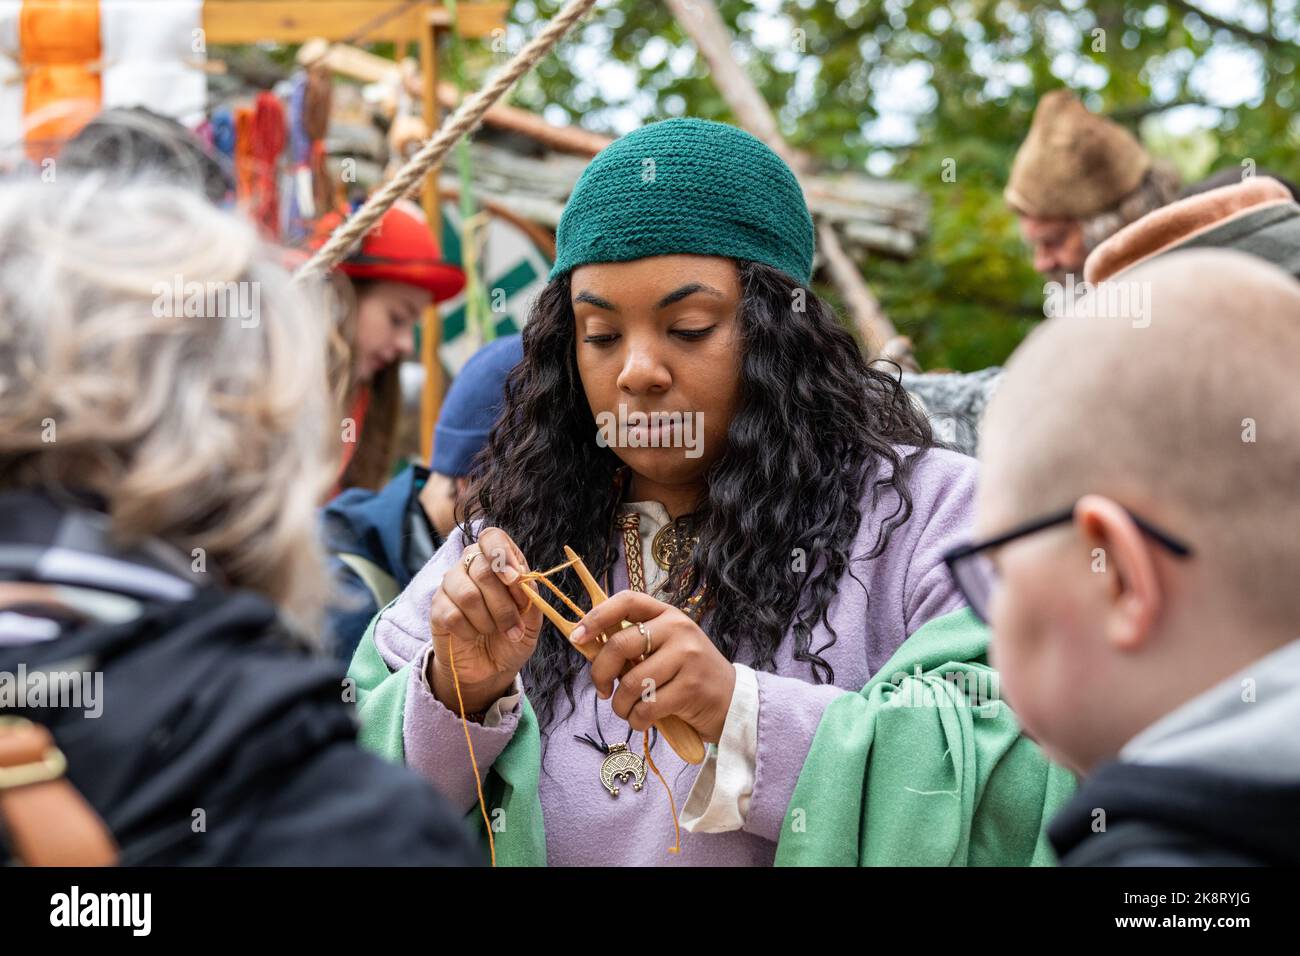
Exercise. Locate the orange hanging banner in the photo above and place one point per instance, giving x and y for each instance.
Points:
(61, 54)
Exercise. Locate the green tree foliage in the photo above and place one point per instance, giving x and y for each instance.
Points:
(900, 87)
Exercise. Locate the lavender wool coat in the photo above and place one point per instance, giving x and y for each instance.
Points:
(584, 825)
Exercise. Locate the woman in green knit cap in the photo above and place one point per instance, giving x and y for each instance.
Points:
(767, 512)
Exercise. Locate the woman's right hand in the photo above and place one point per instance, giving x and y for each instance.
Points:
(482, 615)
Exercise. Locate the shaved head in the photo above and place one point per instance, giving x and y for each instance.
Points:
(1189, 415)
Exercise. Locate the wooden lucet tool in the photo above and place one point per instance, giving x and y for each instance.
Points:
(681, 736)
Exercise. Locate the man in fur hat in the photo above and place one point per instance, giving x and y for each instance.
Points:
(1077, 179)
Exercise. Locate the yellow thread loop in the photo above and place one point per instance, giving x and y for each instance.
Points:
(478, 780)
(672, 804)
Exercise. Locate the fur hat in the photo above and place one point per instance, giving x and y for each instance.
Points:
(1073, 164)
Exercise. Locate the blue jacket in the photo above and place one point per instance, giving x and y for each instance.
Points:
(377, 541)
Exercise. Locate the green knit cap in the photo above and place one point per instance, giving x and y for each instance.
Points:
(687, 186)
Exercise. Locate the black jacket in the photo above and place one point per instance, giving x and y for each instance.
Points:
(220, 740)
(1178, 816)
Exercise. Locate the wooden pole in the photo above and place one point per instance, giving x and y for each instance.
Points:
(857, 296)
(431, 393)
(704, 25)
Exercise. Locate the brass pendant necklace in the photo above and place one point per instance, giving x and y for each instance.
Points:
(675, 542)
(620, 765)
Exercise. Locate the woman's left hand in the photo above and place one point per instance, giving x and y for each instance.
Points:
(684, 674)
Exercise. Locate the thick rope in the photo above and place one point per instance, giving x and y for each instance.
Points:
(466, 118)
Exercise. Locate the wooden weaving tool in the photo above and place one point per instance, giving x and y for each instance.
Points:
(681, 736)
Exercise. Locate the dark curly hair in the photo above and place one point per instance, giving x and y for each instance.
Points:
(814, 427)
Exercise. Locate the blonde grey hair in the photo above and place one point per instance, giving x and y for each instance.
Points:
(206, 431)
(1159, 187)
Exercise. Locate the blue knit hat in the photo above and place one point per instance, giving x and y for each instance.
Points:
(687, 186)
(472, 405)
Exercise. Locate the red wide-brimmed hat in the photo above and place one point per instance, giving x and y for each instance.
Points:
(399, 249)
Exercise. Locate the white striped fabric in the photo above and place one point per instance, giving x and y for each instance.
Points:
(66, 566)
(150, 52)
(18, 629)
(11, 85)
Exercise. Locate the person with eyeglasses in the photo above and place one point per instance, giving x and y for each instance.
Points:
(1136, 557)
